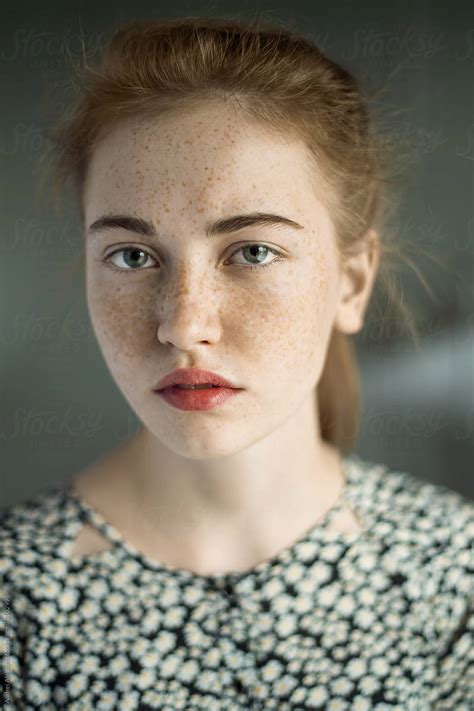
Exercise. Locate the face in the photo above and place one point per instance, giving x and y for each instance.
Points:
(195, 301)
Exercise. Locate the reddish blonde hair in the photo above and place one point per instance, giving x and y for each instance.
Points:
(277, 78)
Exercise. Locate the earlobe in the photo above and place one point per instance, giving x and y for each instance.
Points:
(359, 272)
(348, 319)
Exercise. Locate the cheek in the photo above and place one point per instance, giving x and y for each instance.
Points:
(121, 319)
(291, 324)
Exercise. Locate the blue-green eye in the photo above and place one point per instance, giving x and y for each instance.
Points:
(257, 250)
(137, 257)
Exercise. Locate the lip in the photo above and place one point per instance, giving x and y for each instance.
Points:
(206, 399)
(194, 376)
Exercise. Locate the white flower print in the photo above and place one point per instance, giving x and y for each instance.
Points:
(330, 624)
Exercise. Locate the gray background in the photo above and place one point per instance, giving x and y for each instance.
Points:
(60, 408)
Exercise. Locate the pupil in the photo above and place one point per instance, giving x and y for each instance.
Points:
(257, 250)
(135, 253)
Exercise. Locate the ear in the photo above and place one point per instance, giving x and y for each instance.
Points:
(359, 270)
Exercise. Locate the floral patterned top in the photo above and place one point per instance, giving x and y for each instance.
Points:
(368, 621)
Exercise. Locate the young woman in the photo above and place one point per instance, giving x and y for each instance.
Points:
(234, 553)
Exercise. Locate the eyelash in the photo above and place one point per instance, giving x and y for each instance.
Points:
(278, 254)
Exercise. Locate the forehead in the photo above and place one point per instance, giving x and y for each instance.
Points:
(207, 157)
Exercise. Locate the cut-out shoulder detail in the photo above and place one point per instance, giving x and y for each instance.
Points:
(88, 542)
(346, 521)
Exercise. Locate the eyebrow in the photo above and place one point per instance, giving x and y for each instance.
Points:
(224, 225)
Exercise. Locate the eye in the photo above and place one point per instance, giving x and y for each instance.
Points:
(256, 250)
(137, 254)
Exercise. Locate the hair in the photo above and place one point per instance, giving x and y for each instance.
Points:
(280, 80)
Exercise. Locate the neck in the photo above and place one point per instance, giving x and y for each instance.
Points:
(242, 507)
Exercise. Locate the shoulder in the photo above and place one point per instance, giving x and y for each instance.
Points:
(420, 540)
(432, 522)
(33, 534)
(411, 500)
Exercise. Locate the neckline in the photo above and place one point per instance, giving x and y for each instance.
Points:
(317, 532)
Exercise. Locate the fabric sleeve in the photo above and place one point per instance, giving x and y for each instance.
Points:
(10, 675)
(455, 680)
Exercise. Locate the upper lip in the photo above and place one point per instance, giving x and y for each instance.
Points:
(192, 376)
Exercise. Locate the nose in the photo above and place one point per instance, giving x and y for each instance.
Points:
(189, 318)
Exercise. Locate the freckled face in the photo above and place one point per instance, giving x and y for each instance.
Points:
(195, 301)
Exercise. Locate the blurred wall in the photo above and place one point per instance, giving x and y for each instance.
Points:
(59, 406)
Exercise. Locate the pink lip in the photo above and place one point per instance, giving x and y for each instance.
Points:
(197, 399)
(193, 376)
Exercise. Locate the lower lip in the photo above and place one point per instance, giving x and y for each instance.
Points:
(203, 399)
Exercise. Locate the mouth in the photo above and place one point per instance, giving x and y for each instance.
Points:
(193, 377)
(197, 397)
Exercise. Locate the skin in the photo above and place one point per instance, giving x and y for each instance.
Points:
(226, 488)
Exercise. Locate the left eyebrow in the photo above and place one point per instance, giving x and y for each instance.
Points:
(225, 225)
